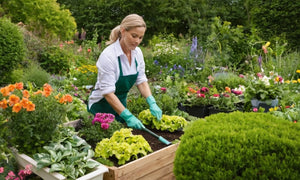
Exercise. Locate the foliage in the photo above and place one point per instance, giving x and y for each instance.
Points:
(32, 116)
(94, 132)
(36, 75)
(84, 75)
(239, 146)
(123, 145)
(70, 155)
(264, 87)
(47, 20)
(7, 159)
(12, 49)
(228, 44)
(226, 79)
(167, 123)
(276, 22)
(55, 60)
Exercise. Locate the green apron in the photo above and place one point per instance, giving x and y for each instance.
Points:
(123, 85)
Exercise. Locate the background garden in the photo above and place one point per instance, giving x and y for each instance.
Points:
(202, 57)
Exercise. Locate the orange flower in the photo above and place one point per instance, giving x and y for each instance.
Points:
(13, 99)
(47, 90)
(11, 87)
(17, 107)
(47, 87)
(19, 86)
(68, 98)
(38, 92)
(26, 94)
(5, 91)
(30, 106)
(192, 90)
(61, 100)
(3, 104)
(227, 89)
(24, 102)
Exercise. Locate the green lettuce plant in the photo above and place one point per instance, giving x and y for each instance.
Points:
(168, 123)
(124, 146)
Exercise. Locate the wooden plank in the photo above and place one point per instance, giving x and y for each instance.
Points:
(165, 172)
(145, 165)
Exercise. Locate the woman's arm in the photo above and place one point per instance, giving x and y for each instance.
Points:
(114, 102)
(144, 89)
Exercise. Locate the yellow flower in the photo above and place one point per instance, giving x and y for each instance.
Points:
(298, 71)
(294, 81)
(298, 80)
(267, 44)
(287, 82)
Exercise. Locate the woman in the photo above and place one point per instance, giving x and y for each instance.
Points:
(120, 66)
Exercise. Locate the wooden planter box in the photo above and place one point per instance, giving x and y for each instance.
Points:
(44, 173)
(157, 165)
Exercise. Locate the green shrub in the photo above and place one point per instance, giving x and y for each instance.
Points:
(224, 79)
(35, 74)
(239, 146)
(55, 60)
(12, 49)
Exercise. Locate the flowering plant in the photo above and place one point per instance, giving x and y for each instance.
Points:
(264, 87)
(101, 126)
(31, 116)
(104, 119)
(228, 100)
(196, 96)
(21, 175)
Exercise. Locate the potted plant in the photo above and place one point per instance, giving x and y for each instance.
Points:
(198, 99)
(264, 91)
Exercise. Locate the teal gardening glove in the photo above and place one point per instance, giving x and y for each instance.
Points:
(131, 120)
(154, 109)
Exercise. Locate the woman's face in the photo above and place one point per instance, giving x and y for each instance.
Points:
(132, 38)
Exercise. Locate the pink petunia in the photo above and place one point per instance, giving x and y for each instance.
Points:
(105, 126)
(255, 109)
(1, 169)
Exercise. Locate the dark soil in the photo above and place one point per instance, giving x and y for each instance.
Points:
(153, 141)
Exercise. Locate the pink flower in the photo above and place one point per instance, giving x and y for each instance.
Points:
(255, 109)
(1, 169)
(89, 50)
(226, 95)
(105, 126)
(200, 95)
(237, 92)
(204, 89)
(163, 89)
(241, 76)
(216, 95)
(259, 75)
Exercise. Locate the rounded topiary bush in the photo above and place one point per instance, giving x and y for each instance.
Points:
(12, 49)
(239, 146)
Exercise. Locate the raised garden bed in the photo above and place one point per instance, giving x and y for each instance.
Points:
(156, 165)
(44, 173)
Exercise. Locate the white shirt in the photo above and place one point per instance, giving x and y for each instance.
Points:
(109, 71)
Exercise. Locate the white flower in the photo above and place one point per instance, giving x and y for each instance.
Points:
(266, 79)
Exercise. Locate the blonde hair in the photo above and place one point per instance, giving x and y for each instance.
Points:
(129, 22)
